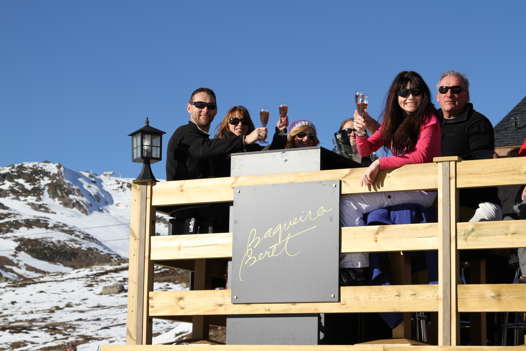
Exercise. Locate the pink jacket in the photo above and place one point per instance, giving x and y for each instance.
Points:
(427, 146)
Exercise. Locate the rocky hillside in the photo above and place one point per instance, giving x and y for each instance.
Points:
(63, 260)
(54, 219)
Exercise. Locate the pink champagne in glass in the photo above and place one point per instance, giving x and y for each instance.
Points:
(361, 102)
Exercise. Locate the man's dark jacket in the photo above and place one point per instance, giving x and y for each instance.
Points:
(470, 136)
(191, 152)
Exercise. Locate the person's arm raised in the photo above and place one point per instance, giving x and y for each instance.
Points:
(256, 135)
(365, 122)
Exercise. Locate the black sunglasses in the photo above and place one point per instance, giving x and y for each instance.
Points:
(406, 92)
(348, 130)
(302, 135)
(200, 105)
(234, 121)
(455, 89)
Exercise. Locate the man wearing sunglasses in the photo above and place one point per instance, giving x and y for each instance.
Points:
(468, 134)
(190, 155)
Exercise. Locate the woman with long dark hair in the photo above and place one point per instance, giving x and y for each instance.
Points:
(411, 130)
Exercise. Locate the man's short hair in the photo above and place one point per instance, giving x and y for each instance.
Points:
(462, 77)
(208, 91)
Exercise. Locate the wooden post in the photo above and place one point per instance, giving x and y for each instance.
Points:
(200, 323)
(402, 275)
(447, 254)
(140, 270)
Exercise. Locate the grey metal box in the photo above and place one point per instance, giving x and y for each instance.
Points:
(287, 160)
(273, 330)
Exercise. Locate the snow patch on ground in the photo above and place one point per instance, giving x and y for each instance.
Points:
(52, 311)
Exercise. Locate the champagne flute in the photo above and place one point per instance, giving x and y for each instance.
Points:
(362, 101)
(283, 119)
(283, 110)
(263, 118)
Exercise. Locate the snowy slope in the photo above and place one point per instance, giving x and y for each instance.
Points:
(63, 238)
(48, 312)
(54, 219)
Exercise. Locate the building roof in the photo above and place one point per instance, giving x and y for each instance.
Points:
(511, 130)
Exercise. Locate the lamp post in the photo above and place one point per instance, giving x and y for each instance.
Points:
(146, 149)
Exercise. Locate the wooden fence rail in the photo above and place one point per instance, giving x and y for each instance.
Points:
(447, 236)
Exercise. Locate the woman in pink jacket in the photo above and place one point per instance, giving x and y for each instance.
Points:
(411, 130)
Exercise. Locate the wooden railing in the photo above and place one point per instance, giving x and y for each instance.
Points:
(448, 298)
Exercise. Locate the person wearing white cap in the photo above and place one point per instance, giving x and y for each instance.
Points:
(302, 133)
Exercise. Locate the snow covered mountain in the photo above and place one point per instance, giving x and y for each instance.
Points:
(54, 219)
(63, 259)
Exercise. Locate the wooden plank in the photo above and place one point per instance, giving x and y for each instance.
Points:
(422, 236)
(148, 232)
(408, 177)
(134, 328)
(487, 235)
(505, 171)
(401, 274)
(444, 253)
(183, 247)
(353, 239)
(492, 172)
(446, 159)
(492, 297)
(213, 320)
(199, 279)
(403, 237)
(453, 263)
(357, 347)
(481, 235)
(389, 298)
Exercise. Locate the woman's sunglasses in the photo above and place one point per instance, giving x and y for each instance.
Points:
(406, 92)
(235, 121)
(302, 135)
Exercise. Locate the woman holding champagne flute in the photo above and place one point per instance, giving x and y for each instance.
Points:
(411, 130)
(237, 122)
(362, 119)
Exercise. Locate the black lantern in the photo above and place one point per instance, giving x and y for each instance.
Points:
(146, 149)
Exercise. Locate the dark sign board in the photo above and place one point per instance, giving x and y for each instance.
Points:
(285, 243)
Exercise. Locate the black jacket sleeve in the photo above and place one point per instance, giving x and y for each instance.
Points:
(190, 153)
(204, 148)
(481, 138)
(279, 140)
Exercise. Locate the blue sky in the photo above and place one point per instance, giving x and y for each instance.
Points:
(77, 76)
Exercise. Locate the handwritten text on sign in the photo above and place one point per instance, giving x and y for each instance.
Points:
(276, 240)
(285, 245)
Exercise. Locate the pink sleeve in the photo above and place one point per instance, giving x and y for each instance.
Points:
(367, 146)
(427, 147)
